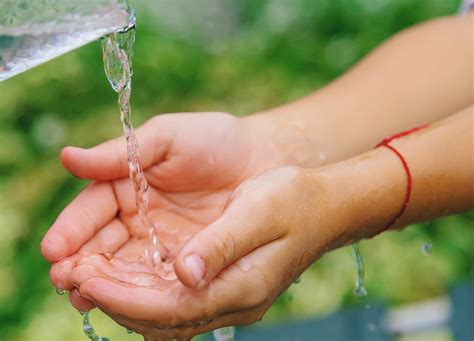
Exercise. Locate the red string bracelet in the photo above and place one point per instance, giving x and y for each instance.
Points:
(385, 143)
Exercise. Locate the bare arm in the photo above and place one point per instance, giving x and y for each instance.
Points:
(419, 76)
(297, 214)
(440, 159)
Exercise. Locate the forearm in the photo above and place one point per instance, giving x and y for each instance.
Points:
(419, 76)
(367, 192)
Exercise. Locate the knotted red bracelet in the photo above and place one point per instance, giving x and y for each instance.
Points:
(385, 143)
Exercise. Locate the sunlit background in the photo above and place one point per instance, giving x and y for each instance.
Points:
(208, 55)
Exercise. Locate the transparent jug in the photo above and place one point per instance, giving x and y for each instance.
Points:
(35, 31)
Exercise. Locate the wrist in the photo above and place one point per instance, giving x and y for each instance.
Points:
(361, 195)
(286, 138)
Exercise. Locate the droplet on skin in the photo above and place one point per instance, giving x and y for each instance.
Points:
(129, 331)
(156, 258)
(244, 265)
(206, 322)
(59, 291)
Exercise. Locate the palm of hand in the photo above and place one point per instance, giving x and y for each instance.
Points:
(188, 190)
(177, 216)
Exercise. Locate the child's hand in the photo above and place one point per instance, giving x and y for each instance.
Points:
(265, 238)
(193, 162)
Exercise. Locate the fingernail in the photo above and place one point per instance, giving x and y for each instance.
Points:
(196, 266)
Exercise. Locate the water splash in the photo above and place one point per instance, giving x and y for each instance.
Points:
(360, 290)
(89, 330)
(224, 334)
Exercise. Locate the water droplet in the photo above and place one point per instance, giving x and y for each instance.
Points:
(244, 265)
(129, 331)
(205, 322)
(156, 258)
(59, 291)
(426, 248)
(89, 330)
(360, 290)
(224, 334)
(290, 297)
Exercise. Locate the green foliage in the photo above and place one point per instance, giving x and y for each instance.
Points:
(275, 51)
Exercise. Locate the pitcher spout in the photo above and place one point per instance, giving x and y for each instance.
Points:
(35, 31)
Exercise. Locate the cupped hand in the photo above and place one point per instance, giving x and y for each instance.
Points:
(263, 240)
(235, 245)
(192, 162)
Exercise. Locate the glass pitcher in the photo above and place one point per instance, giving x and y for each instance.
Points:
(35, 31)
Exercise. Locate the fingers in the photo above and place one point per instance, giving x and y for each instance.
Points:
(107, 240)
(79, 221)
(247, 224)
(171, 321)
(171, 304)
(238, 295)
(60, 273)
(190, 330)
(98, 266)
(79, 302)
(108, 160)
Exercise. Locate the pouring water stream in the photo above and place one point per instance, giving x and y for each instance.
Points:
(117, 54)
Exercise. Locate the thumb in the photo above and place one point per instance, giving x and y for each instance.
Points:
(108, 161)
(243, 227)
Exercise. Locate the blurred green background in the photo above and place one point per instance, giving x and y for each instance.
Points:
(236, 56)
